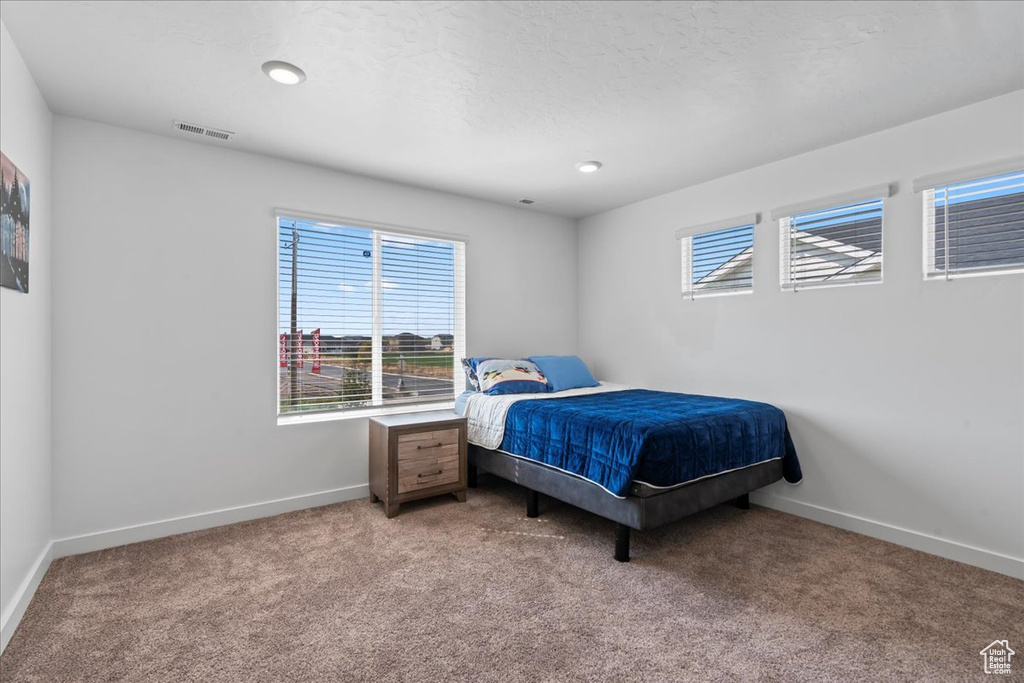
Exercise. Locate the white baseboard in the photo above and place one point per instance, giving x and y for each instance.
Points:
(986, 559)
(102, 540)
(11, 617)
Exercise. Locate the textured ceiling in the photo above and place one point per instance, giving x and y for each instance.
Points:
(499, 100)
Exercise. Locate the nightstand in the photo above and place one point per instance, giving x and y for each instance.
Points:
(417, 455)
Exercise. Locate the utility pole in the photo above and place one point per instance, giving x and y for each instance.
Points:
(401, 374)
(293, 357)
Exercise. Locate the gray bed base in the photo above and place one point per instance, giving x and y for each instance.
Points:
(644, 507)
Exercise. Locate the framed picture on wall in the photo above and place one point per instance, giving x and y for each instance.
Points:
(14, 216)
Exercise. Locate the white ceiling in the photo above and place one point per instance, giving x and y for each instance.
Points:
(499, 100)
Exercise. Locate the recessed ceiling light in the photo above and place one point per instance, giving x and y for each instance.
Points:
(285, 73)
(588, 166)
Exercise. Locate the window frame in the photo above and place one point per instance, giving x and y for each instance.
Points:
(928, 187)
(686, 237)
(377, 229)
(783, 216)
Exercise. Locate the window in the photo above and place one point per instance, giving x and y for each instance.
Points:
(718, 261)
(834, 241)
(975, 227)
(368, 318)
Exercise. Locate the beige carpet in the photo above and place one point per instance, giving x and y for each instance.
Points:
(477, 592)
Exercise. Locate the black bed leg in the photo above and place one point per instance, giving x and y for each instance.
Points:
(621, 543)
(743, 502)
(471, 476)
(532, 503)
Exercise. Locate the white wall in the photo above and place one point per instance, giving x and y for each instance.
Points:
(25, 131)
(164, 355)
(905, 399)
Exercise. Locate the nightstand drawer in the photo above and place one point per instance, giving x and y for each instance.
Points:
(429, 472)
(422, 444)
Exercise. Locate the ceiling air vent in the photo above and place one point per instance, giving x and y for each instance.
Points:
(526, 201)
(204, 131)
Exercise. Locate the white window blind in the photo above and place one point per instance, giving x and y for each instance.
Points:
(718, 261)
(367, 318)
(832, 246)
(974, 227)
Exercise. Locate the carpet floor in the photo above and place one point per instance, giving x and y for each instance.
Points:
(478, 592)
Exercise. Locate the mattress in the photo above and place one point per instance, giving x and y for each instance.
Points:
(633, 440)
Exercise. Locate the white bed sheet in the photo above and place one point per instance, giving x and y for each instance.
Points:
(486, 414)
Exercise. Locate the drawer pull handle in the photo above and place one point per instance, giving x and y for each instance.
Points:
(428, 474)
(436, 445)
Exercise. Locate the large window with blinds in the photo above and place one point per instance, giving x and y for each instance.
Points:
(975, 227)
(837, 245)
(369, 319)
(718, 261)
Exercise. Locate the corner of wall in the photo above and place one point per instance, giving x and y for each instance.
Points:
(576, 226)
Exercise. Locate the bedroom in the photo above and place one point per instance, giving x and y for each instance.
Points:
(161, 521)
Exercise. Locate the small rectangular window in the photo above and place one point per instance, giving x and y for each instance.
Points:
(367, 318)
(975, 227)
(833, 246)
(718, 261)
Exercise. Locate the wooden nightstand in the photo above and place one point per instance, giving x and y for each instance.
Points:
(417, 455)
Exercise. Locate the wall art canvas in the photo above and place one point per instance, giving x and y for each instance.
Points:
(14, 217)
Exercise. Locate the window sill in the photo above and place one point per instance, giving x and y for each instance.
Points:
(808, 286)
(360, 413)
(710, 294)
(939, 276)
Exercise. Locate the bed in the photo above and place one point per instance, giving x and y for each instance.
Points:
(637, 457)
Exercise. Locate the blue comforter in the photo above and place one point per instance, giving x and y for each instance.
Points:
(656, 437)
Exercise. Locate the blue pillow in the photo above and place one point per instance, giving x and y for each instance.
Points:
(498, 376)
(564, 372)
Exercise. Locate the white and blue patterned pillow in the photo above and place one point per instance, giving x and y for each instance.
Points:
(469, 365)
(498, 376)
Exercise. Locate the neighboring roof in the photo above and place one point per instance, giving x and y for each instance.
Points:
(847, 259)
(976, 226)
(737, 268)
(863, 234)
